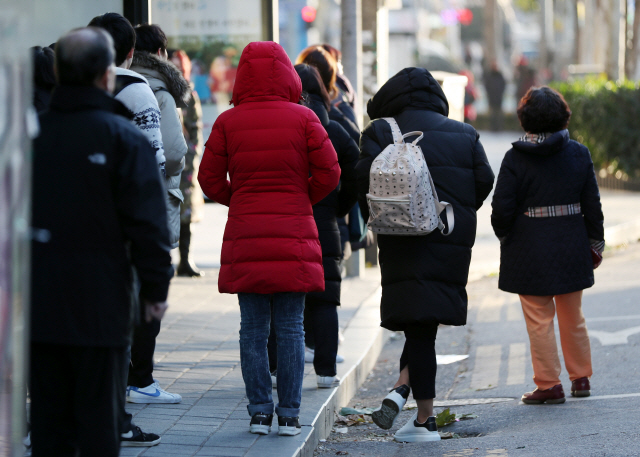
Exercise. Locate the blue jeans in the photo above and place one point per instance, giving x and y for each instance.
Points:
(255, 319)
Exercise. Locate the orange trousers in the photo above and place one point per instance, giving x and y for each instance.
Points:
(576, 349)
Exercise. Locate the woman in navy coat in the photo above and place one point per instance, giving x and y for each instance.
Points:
(548, 217)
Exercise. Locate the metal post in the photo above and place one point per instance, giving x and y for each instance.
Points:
(270, 21)
(137, 11)
(352, 47)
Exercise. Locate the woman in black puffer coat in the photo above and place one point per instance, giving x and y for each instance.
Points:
(424, 277)
(321, 316)
(547, 215)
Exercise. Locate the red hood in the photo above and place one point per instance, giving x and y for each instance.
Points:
(266, 73)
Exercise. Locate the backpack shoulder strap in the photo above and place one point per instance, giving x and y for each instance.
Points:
(123, 81)
(395, 130)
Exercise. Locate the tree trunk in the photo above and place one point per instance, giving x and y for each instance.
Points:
(489, 33)
(631, 62)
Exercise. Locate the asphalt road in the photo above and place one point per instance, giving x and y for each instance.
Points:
(499, 367)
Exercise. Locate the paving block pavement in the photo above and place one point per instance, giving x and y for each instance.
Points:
(198, 356)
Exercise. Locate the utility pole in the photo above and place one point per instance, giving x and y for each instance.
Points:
(352, 47)
(489, 32)
(352, 64)
(616, 19)
(546, 34)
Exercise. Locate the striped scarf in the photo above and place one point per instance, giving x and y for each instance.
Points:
(535, 138)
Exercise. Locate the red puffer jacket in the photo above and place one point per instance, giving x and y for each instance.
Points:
(280, 162)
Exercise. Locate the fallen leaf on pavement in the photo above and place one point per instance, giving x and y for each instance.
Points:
(446, 417)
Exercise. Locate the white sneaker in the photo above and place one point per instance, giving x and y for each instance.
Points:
(308, 355)
(386, 414)
(151, 394)
(415, 432)
(339, 358)
(327, 382)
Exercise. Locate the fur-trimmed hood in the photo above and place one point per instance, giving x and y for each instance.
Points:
(165, 73)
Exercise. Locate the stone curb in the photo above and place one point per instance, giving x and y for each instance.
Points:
(628, 232)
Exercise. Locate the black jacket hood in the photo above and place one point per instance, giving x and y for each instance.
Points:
(316, 104)
(411, 88)
(552, 145)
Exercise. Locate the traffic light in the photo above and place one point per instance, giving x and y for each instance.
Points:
(308, 14)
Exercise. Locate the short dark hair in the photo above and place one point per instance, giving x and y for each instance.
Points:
(83, 55)
(121, 30)
(312, 83)
(150, 38)
(43, 74)
(542, 110)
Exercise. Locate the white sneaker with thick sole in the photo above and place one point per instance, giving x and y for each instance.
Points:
(151, 394)
(327, 382)
(415, 432)
(386, 414)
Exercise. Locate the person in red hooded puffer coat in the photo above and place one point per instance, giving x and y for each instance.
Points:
(280, 162)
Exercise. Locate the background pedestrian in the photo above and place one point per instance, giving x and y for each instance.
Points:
(171, 91)
(280, 162)
(191, 208)
(328, 68)
(495, 84)
(547, 215)
(98, 209)
(424, 277)
(320, 314)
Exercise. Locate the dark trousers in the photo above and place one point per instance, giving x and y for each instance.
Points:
(76, 400)
(126, 419)
(420, 354)
(321, 329)
(142, 349)
(497, 118)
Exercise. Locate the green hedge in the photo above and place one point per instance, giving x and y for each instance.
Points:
(606, 119)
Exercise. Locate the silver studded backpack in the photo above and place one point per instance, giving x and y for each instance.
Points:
(402, 197)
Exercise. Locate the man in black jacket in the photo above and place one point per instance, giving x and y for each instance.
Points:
(98, 209)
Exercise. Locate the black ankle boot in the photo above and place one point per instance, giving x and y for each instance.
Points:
(187, 267)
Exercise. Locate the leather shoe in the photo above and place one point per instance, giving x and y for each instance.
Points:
(552, 396)
(580, 387)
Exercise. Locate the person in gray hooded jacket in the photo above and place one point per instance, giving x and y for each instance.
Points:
(172, 92)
